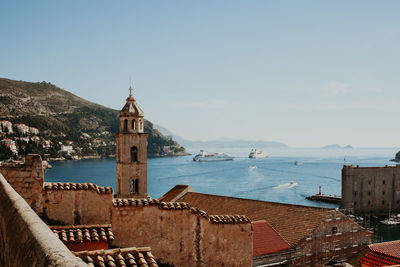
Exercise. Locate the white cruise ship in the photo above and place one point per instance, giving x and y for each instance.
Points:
(203, 156)
(257, 154)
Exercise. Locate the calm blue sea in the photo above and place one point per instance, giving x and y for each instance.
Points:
(264, 179)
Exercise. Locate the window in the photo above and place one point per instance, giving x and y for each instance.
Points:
(133, 124)
(334, 230)
(369, 193)
(369, 182)
(383, 193)
(383, 182)
(125, 125)
(383, 202)
(134, 154)
(134, 186)
(137, 186)
(355, 203)
(369, 202)
(397, 201)
(355, 193)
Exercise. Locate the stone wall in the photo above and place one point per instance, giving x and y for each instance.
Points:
(181, 236)
(371, 190)
(336, 239)
(70, 203)
(25, 239)
(26, 178)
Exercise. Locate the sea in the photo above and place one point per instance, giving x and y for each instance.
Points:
(276, 178)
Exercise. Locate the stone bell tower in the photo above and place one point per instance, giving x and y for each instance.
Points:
(131, 151)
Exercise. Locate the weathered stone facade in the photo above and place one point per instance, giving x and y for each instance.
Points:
(131, 151)
(77, 204)
(182, 236)
(26, 178)
(25, 239)
(371, 190)
(334, 240)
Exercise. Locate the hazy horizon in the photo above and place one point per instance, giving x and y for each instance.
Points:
(307, 74)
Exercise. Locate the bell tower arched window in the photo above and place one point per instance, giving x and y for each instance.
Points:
(133, 124)
(125, 125)
(134, 154)
(132, 186)
(136, 185)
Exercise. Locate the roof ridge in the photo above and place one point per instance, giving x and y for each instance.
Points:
(48, 186)
(265, 201)
(219, 218)
(56, 227)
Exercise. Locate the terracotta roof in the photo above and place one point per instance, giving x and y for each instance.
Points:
(138, 257)
(391, 248)
(266, 240)
(174, 192)
(84, 233)
(374, 258)
(78, 186)
(131, 202)
(292, 222)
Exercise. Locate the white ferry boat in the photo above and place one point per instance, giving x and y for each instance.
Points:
(203, 156)
(257, 154)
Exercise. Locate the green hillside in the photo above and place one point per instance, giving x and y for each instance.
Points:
(63, 118)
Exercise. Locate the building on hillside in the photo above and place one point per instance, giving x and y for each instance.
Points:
(382, 254)
(24, 139)
(317, 235)
(22, 129)
(35, 139)
(10, 144)
(34, 130)
(66, 150)
(46, 143)
(6, 126)
(371, 190)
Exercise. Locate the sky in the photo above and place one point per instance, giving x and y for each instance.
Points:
(305, 73)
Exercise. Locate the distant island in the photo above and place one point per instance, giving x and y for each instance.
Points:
(44, 119)
(219, 143)
(337, 146)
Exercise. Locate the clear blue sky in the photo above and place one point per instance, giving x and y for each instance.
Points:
(306, 73)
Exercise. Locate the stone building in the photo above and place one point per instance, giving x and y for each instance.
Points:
(302, 235)
(131, 151)
(371, 190)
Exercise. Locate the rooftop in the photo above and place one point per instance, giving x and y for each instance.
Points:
(391, 248)
(266, 240)
(83, 233)
(118, 257)
(78, 186)
(292, 222)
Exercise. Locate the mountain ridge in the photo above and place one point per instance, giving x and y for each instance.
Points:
(220, 142)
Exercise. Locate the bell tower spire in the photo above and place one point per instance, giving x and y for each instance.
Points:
(131, 151)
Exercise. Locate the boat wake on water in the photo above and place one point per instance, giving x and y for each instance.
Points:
(252, 167)
(288, 185)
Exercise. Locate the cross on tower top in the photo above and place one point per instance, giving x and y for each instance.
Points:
(130, 91)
